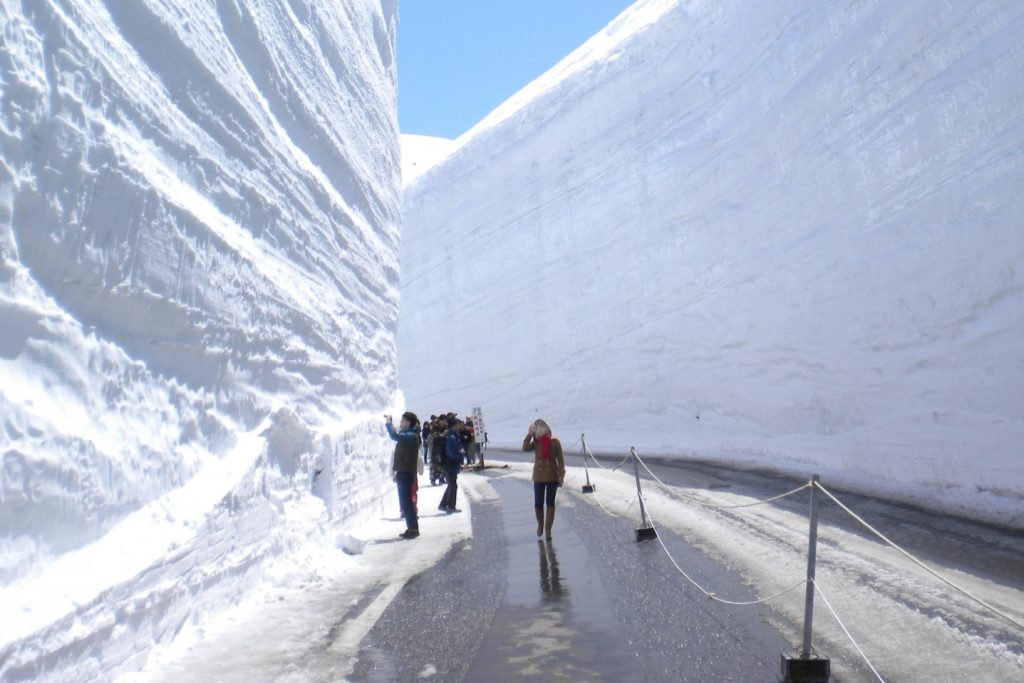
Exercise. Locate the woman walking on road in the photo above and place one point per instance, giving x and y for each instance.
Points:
(548, 472)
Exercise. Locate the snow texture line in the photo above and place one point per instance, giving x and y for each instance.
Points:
(917, 561)
(839, 621)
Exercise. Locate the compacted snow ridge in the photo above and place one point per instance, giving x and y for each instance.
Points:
(199, 213)
(779, 234)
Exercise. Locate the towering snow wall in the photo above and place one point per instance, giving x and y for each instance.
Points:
(785, 234)
(199, 207)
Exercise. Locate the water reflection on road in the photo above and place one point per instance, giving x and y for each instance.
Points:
(591, 605)
(554, 633)
(550, 582)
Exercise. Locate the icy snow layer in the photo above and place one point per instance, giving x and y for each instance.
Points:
(198, 302)
(783, 234)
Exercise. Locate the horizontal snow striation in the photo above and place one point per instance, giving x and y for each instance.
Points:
(780, 234)
(211, 186)
(199, 207)
(184, 556)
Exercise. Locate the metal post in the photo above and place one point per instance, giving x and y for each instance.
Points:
(588, 487)
(812, 551)
(646, 531)
(807, 667)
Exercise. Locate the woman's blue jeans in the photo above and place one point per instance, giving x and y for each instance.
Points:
(544, 492)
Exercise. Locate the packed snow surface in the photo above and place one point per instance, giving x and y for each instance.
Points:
(783, 234)
(199, 206)
(420, 153)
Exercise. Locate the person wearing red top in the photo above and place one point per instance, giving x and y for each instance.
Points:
(548, 473)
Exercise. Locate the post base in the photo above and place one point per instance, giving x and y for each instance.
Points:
(812, 669)
(588, 488)
(646, 533)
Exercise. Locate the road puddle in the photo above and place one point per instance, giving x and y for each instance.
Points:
(555, 621)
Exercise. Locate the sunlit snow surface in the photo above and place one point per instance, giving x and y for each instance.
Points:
(307, 625)
(786, 234)
(199, 206)
(420, 153)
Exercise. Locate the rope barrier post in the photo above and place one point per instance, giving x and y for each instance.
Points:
(807, 667)
(646, 532)
(588, 487)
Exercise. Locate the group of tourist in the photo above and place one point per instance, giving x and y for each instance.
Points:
(435, 430)
(450, 442)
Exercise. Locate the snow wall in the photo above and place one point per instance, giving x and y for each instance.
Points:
(199, 207)
(780, 234)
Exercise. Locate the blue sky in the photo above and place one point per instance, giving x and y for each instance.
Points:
(459, 59)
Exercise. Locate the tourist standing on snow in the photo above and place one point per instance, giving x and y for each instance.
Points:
(453, 452)
(404, 464)
(425, 432)
(548, 472)
(438, 430)
(469, 442)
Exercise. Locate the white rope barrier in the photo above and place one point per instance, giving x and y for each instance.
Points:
(610, 514)
(598, 462)
(602, 506)
(918, 562)
(679, 569)
(803, 582)
(586, 452)
(839, 621)
(671, 491)
(711, 594)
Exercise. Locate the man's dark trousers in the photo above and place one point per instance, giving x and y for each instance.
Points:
(405, 481)
(451, 472)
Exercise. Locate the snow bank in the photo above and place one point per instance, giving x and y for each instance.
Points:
(198, 301)
(777, 234)
(420, 153)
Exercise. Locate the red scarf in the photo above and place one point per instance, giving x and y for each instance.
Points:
(545, 446)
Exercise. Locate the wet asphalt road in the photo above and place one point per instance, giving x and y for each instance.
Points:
(984, 550)
(591, 605)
